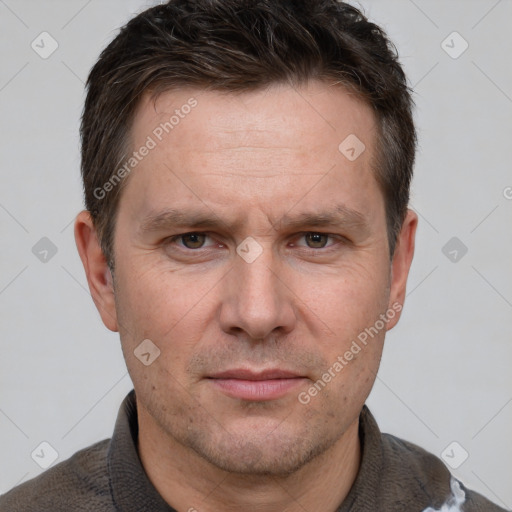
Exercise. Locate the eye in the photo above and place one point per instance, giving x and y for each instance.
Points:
(316, 240)
(194, 240)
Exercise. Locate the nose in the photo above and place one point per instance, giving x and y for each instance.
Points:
(256, 301)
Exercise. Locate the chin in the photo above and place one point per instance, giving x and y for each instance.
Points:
(277, 454)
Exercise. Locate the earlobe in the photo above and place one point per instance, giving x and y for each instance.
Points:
(99, 277)
(401, 264)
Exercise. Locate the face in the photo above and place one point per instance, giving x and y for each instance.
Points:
(252, 252)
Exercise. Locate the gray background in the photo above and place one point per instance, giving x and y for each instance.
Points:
(445, 374)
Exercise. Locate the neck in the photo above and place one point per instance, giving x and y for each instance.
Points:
(188, 482)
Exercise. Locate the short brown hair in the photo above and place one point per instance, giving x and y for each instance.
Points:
(244, 45)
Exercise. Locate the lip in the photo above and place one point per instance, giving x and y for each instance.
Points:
(264, 385)
(246, 374)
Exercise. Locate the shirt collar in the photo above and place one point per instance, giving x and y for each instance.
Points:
(363, 493)
(131, 489)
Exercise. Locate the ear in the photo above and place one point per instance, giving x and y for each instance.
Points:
(96, 269)
(402, 259)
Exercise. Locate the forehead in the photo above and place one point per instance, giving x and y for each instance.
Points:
(312, 109)
(270, 146)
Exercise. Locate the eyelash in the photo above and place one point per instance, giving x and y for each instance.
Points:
(339, 239)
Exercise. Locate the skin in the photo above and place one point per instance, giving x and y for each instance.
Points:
(246, 160)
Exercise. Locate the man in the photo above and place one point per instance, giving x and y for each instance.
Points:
(246, 168)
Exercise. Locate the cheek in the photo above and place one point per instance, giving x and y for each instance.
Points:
(173, 312)
(346, 302)
(338, 390)
(352, 336)
(155, 302)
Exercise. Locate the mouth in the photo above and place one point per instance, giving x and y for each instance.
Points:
(255, 385)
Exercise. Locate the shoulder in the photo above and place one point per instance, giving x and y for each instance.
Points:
(79, 483)
(428, 476)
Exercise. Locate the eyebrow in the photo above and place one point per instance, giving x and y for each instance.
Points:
(339, 216)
